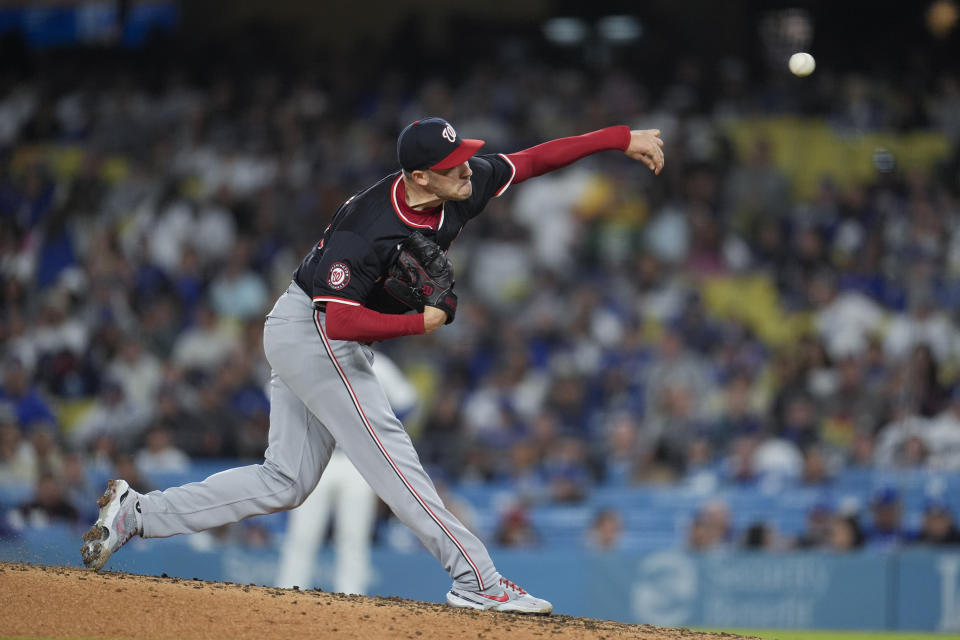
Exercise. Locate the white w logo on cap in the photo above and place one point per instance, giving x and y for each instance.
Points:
(449, 134)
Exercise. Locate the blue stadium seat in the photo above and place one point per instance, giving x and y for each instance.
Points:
(13, 495)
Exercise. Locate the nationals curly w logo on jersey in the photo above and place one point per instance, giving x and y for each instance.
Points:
(339, 276)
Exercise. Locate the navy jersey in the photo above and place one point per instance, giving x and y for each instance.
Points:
(351, 261)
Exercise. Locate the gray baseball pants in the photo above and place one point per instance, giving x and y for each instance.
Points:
(323, 392)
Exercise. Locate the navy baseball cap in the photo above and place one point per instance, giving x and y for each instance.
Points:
(433, 143)
(886, 496)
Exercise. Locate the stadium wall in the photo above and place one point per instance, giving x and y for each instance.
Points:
(915, 590)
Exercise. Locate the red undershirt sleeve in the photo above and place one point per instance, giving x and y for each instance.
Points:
(355, 322)
(558, 153)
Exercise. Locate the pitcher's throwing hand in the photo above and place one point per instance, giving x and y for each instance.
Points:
(647, 147)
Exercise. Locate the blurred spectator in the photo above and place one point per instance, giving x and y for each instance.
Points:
(739, 464)
(775, 460)
(206, 344)
(655, 467)
(214, 232)
(244, 393)
(924, 324)
(500, 428)
(254, 534)
(516, 531)
(168, 409)
(737, 415)
(843, 319)
(900, 443)
(19, 344)
(188, 282)
(677, 381)
(606, 531)
(112, 415)
(917, 382)
(816, 471)
(761, 536)
(526, 476)
(565, 471)
(621, 450)
(160, 331)
(80, 492)
(138, 372)
(237, 291)
(876, 368)
(845, 534)
(943, 437)
(701, 474)
(48, 506)
(61, 340)
(567, 400)
(819, 528)
(885, 529)
(852, 407)
(440, 442)
(938, 527)
(817, 368)
(47, 454)
(799, 424)
(861, 454)
(756, 190)
(763, 458)
(102, 453)
(675, 421)
(667, 235)
(17, 391)
(659, 292)
(159, 454)
(124, 467)
(210, 428)
(710, 528)
(17, 460)
(552, 243)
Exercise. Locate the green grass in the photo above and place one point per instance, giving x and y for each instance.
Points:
(793, 634)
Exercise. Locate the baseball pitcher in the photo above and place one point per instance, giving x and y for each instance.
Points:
(379, 271)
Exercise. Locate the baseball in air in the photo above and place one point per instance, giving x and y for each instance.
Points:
(802, 64)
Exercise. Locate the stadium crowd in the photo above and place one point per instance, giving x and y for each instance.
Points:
(147, 222)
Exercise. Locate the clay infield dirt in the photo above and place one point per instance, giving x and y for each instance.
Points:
(57, 602)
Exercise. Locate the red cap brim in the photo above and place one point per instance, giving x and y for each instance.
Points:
(459, 155)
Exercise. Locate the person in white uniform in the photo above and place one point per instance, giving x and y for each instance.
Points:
(343, 493)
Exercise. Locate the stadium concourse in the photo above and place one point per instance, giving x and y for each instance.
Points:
(778, 348)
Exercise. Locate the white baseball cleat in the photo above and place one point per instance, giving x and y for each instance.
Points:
(119, 521)
(505, 596)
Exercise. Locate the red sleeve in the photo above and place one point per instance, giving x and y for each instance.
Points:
(556, 154)
(355, 322)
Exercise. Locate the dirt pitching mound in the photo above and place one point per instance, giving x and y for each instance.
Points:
(57, 602)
